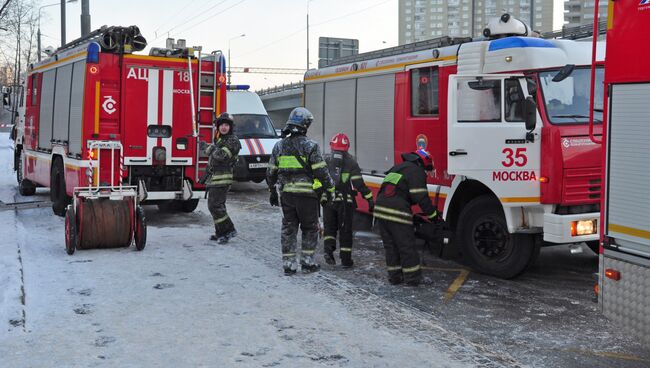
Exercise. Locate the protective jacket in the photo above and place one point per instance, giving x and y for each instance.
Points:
(345, 173)
(404, 185)
(222, 158)
(286, 169)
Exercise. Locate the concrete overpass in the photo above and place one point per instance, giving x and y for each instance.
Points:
(280, 100)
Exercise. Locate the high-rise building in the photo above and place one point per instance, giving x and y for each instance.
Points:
(424, 19)
(581, 12)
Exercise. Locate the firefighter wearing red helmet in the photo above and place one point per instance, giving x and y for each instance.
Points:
(222, 156)
(337, 216)
(405, 185)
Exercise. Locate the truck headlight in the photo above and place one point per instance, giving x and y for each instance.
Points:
(584, 227)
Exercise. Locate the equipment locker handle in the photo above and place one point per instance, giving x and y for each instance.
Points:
(457, 153)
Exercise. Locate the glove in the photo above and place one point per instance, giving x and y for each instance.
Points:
(203, 145)
(273, 198)
(327, 198)
(371, 205)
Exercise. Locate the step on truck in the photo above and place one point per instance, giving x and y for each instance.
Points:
(158, 107)
(506, 121)
(624, 272)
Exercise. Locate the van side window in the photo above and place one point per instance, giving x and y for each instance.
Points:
(424, 91)
(34, 90)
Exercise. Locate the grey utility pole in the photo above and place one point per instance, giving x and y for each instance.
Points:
(85, 18)
(62, 22)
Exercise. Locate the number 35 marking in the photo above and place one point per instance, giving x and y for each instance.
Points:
(517, 157)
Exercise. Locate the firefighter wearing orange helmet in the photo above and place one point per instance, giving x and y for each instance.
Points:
(405, 185)
(337, 216)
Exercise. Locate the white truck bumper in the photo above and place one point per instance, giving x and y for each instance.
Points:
(557, 228)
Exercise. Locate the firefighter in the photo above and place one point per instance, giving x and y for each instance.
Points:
(222, 157)
(404, 185)
(297, 167)
(345, 173)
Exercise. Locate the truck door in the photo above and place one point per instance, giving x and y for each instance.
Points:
(488, 138)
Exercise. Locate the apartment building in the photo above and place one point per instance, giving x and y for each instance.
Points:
(581, 12)
(424, 19)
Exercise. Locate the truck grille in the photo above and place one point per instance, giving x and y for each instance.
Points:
(581, 186)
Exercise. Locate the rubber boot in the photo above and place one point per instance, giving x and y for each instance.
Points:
(346, 259)
(329, 258)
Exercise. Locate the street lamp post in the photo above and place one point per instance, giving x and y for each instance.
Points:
(233, 38)
(38, 33)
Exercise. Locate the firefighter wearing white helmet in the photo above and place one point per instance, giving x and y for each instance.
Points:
(298, 169)
(337, 216)
(405, 185)
(222, 157)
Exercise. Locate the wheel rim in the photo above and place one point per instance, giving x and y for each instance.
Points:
(491, 240)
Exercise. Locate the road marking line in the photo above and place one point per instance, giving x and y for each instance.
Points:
(453, 288)
(620, 356)
(456, 284)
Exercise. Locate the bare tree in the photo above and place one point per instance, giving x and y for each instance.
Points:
(18, 20)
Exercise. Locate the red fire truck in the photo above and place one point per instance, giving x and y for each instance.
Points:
(157, 106)
(506, 120)
(624, 285)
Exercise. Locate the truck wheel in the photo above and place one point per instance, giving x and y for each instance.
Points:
(25, 187)
(189, 205)
(59, 197)
(140, 235)
(486, 244)
(70, 231)
(594, 245)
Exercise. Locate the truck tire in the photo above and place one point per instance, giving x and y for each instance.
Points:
(594, 245)
(486, 244)
(59, 197)
(189, 205)
(25, 187)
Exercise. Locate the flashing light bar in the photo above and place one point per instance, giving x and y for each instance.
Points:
(238, 87)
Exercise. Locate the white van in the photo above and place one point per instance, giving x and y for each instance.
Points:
(256, 133)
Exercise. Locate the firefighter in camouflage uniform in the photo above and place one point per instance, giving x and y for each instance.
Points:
(222, 157)
(297, 167)
(337, 217)
(404, 185)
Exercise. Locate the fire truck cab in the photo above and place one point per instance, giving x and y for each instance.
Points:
(506, 121)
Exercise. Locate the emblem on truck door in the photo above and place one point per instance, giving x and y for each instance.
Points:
(109, 104)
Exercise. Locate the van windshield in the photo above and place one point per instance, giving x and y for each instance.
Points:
(254, 126)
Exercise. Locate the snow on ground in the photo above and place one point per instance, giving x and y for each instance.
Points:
(183, 301)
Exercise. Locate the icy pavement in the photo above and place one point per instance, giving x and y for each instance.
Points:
(183, 301)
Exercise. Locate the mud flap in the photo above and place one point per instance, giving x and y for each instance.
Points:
(187, 190)
(142, 191)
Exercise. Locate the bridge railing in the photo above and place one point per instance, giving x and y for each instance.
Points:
(280, 88)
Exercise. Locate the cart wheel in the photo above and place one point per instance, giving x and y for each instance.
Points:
(140, 229)
(70, 231)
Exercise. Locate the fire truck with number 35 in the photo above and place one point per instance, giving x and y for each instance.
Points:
(506, 121)
(158, 107)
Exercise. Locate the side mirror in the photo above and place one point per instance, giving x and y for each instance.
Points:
(530, 114)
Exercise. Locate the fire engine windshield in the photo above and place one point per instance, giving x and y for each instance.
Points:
(567, 101)
(254, 126)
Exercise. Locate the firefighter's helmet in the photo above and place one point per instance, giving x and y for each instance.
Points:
(340, 142)
(299, 120)
(425, 158)
(225, 117)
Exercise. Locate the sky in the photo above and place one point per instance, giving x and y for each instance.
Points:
(275, 30)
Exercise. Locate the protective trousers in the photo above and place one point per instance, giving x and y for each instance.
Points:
(299, 211)
(337, 218)
(402, 257)
(217, 206)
